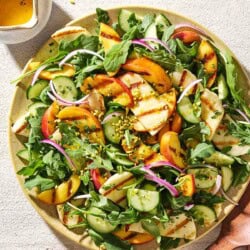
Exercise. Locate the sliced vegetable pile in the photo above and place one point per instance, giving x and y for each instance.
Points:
(135, 133)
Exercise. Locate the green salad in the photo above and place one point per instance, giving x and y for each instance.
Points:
(135, 132)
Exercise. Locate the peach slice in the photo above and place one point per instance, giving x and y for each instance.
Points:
(207, 56)
(61, 193)
(48, 120)
(67, 70)
(186, 185)
(187, 36)
(170, 147)
(85, 121)
(109, 86)
(176, 123)
(108, 37)
(150, 71)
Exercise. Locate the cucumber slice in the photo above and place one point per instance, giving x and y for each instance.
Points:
(222, 87)
(151, 31)
(143, 200)
(36, 105)
(116, 156)
(65, 87)
(33, 92)
(123, 17)
(110, 129)
(186, 110)
(162, 22)
(23, 154)
(99, 224)
(204, 177)
(219, 159)
(204, 213)
(227, 178)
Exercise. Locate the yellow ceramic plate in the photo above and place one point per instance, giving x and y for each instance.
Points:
(19, 106)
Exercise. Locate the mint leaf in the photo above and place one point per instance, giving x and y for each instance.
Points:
(40, 182)
(116, 56)
(202, 150)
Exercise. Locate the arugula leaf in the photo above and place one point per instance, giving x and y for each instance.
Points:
(128, 216)
(240, 130)
(32, 168)
(81, 42)
(105, 204)
(231, 76)
(147, 20)
(202, 150)
(151, 227)
(133, 21)
(40, 182)
(169, 243)
(241, 170)
(55, 166)
(131, 34)
(85, 178)
(161, 57)
(177, 202)
(198, 131)
(102, 16)
(116, 56)
(207, 199)
(168, 33)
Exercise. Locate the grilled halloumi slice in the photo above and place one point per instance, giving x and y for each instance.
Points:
(212, 111)
(69, 33)
(179, 226)
(20, 126)
(112, 188)
(222, 139)
(66, 218)
(150, 109)
(183, 79)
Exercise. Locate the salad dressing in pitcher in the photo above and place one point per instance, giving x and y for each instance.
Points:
(15, 12)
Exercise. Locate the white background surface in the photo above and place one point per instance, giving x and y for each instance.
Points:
(20, 225)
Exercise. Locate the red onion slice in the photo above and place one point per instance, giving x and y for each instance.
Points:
(79, 51)
(187, 207)
(228, 198)
(37, 73)
(162, 163)
(53, 98)
(139, 42)
(109, 116)
(189, 86)
(194, 28)
(217, 185)
(66, 102)
(152, 177)
(156, 40)
(82, 196)
(61, 150)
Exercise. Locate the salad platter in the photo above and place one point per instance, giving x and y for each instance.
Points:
(130, 129)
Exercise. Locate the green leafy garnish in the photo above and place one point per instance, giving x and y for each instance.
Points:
(102, 16)
(116, 56)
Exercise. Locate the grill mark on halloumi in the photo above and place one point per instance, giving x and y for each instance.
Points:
(183, 77)
(148, 112)
(178, 226)
(208, 104)
(117, 186)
